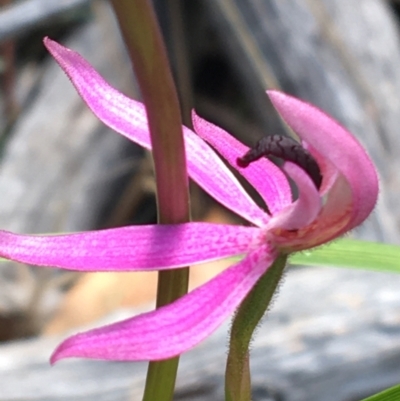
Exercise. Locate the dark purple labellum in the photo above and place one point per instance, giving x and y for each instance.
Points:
(287, 149)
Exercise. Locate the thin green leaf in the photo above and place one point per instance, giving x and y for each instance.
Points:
(352, 253)
(391, 394)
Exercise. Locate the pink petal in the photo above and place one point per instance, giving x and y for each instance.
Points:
(128, 117)
(335, 215)
(264, 176)
(305, 209)
(131, 248)
(174, 328)
(336, 144)
(329, 172)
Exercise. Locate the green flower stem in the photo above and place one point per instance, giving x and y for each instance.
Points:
(252, 309)
(146, 49)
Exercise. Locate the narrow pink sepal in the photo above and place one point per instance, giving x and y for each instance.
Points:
(305, 209)
(132, 248)
(175, 328)
(336, 144)
(128, 117)
(267, 178)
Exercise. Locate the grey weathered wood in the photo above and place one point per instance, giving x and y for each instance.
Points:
(342, 55)
(328, 337)
(23, 16)
(60, 165)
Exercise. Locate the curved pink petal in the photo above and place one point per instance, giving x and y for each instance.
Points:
(336, 144)
(267, 178)
(335, 216)
(174, 328)
(305, 209)
(128, 117)
(131, 248)
(329, 172)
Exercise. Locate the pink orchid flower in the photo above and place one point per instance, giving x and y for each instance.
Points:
(342, 200)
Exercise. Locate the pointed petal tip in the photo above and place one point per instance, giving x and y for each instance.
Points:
(284, 103)
(54, 359)
(276, 96)
(58, 353)
(50, 44)
(74, 347)
(274, 92)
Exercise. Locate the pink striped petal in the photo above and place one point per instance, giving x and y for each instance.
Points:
(267, 178)
(131, 248)
(128, 117)
(305, 209)
(174, 328)
(336, 144)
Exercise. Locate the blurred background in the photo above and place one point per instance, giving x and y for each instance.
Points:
(61, 170)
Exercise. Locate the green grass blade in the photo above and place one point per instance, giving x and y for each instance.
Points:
(352, 253)
(391, 394)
